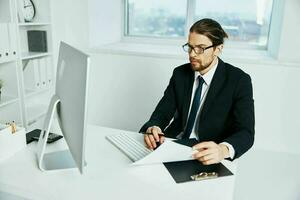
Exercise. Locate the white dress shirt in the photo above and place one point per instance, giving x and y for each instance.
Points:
(207, 77)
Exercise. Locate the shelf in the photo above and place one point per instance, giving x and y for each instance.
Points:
(34, 24)
(8, 60)
(31, 55)
(6, 100)
(35, 113)
(17, 102)
(31, 92)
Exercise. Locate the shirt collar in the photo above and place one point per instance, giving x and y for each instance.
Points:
(207, 77)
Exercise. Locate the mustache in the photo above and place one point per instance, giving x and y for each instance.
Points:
(193, 60)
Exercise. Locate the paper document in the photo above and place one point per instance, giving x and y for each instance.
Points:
(168, 151)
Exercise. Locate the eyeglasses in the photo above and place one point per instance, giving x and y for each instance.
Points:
(197, 49)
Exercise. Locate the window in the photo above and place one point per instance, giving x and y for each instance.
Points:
(246, 22)
(156, 18)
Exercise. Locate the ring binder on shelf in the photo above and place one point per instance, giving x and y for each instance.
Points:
(12, 40)
(4, 47)
(42, 70)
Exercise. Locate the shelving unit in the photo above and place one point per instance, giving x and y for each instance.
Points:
(28, 76)
(32, 55)
(6, 100)
(34, 24)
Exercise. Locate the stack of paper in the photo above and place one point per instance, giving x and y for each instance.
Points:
(169, 151)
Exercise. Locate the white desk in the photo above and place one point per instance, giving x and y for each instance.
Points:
(265, 174)
(108, 175)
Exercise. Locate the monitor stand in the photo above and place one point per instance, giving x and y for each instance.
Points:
(55, 160)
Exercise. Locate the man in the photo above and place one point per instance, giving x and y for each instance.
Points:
(206, 99)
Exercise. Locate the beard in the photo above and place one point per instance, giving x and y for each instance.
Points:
(199, 64)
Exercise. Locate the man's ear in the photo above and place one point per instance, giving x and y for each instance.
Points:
(219, 49)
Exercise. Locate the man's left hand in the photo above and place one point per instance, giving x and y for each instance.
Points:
(210, 152)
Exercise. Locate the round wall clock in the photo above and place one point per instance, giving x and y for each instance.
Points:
(29, 10)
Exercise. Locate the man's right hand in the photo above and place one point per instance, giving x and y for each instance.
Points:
(152, 138)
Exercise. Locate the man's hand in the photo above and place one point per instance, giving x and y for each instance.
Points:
(210, 152)
(153, 138)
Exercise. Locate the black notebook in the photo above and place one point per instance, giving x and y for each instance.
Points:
(37, 41)
(35, 134)
(182, 171)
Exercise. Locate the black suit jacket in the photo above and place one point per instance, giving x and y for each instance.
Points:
(227, 114)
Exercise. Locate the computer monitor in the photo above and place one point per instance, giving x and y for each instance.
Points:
(70, 102)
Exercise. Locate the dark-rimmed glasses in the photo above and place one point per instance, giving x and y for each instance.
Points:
(197, 49)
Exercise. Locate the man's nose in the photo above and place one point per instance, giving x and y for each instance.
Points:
(192, 53)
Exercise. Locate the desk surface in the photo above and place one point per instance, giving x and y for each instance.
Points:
(108, 175)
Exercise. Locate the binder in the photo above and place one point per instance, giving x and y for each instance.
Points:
(1, 45)
(12, 40)
(49, 71)
(181, 171)
(29, 82)
(36, 74)
(45, 61)
(43, 75)
(4, 45)
(32, 76)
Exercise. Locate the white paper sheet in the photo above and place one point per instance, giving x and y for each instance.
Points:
(169, 151)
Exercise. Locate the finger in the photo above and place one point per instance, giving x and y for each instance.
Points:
(156, 128)
(153, 142)
(209, 162)
(156, 137)
(149, 130)
(204, 145)
(155, 132)
(148, 142)
(203, 153)
(162, 139)
(207, 158)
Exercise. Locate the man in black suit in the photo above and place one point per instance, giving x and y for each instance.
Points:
(206, 99)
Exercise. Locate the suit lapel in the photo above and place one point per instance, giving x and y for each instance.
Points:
(188, 85)
(216, 85)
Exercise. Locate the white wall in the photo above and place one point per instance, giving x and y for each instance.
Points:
(105, 19)
(290, 31)
(69, 23)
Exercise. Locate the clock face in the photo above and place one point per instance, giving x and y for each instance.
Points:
(29, 10)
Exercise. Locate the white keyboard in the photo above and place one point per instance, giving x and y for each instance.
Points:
(129, 146)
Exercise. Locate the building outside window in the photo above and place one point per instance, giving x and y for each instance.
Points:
(247, 22)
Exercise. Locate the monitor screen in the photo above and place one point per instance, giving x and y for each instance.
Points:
(70, 101)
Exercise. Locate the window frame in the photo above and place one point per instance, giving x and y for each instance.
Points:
(191, 6)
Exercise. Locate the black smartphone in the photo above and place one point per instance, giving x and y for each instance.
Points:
(35, 134)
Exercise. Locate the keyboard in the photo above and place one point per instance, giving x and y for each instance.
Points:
(129, 146)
